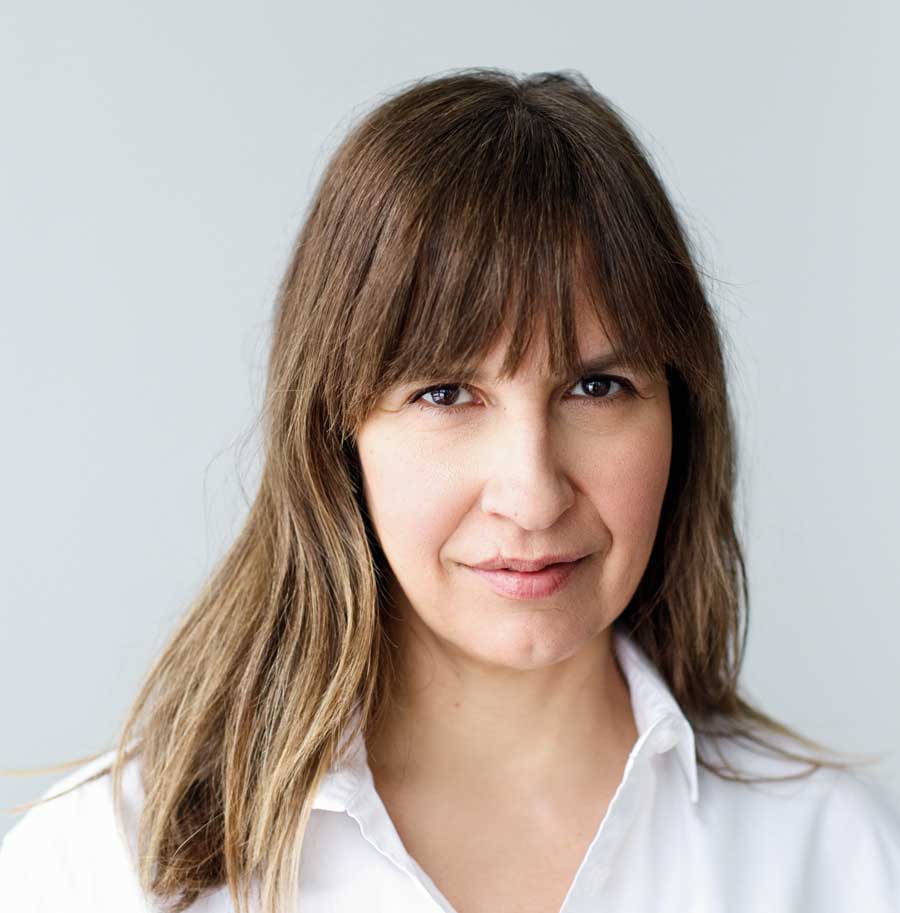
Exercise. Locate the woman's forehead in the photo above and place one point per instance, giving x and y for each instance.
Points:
(592, 342)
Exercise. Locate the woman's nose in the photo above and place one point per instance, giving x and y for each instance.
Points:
(524, 476)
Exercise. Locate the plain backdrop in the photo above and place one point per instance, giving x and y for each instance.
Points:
(156, 161)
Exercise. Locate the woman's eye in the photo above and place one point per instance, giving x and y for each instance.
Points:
(445, 396)
(600, 390)
(599, 385)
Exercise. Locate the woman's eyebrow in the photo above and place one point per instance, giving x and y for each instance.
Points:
(605, 361)
(598, 363)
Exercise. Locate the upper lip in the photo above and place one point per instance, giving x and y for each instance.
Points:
(524, 564)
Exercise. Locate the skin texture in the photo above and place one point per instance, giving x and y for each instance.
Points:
(519, 706)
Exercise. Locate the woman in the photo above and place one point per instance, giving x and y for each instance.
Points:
(477, 645)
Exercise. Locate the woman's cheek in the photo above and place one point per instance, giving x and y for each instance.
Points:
(411, 498)
(627, 495)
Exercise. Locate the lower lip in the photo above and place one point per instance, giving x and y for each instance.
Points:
(530, 584)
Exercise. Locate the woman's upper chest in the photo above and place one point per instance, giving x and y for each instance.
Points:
(491, 855)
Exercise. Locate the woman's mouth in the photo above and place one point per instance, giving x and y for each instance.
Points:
(530, 584)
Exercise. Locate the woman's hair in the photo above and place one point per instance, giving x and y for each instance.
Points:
(466, 204)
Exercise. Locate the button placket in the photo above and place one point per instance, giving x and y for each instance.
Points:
(662, 736)
(616, 825)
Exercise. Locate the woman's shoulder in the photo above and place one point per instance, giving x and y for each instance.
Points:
(71, 852)
(779, 766)
(841, 826)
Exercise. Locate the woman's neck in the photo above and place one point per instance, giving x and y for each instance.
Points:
(463, 728)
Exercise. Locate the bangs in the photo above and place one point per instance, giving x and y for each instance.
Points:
(493, 224)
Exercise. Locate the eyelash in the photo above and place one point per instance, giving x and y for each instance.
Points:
(627, 391)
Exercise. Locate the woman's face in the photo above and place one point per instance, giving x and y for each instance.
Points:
(522, 469)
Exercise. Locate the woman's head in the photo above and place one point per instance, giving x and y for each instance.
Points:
(482, 225)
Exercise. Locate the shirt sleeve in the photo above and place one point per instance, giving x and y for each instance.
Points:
(858, 851)
(67, 856)
(34, 874)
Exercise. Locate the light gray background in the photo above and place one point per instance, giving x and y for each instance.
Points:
(155, 164)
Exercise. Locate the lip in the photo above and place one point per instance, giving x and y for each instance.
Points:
(501, 563)
(530, 584)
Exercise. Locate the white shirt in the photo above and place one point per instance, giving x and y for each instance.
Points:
(675, 838)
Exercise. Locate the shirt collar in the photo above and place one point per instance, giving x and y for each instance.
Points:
(655, 708)
(656, 714)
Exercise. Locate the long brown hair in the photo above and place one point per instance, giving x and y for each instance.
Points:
(465, 203)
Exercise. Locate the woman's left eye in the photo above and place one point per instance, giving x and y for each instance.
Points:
(596, 382)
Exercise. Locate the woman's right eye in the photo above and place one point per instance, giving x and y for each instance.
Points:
(441, 392)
